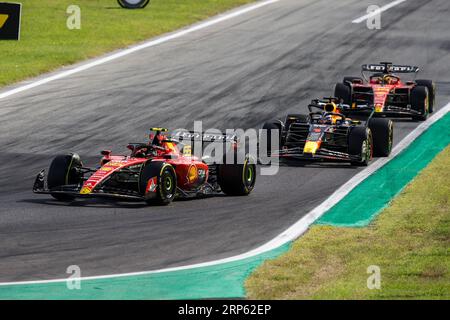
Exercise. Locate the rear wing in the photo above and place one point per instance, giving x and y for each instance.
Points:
(183, 135)
(388, 67)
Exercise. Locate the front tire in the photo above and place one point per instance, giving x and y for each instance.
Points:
(431, 86)
(63, 172)
(158, 183)
(382, 135)
(419, 102)
(360, 145)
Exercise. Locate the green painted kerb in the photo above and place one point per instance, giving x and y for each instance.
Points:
(220, 281)
(364, 202)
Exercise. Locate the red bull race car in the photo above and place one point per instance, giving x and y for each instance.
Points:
(326, 133)
(156, 172)
(387, 92)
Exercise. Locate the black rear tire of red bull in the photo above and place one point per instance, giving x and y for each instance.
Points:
(63, 172)
(133, 4)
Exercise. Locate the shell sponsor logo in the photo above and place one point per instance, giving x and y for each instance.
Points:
(192, 174)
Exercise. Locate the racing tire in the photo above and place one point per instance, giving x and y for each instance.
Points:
(431, 86)
(276, 127)
(344, 92)
(165, 188)
(350, 79)
(133, 4)
(419, 102)
(62, 173)
(383, 136)
(237, 179)
(360, 145)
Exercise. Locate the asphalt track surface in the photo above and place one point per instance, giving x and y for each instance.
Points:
(235, 74)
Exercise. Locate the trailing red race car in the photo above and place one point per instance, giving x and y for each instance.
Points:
(156, 172)
(387, 93)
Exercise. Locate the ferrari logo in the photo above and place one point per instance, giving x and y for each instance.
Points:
(3, 18)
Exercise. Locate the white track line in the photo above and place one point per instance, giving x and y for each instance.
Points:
(122, 53)
(297, 229)
(377, 12)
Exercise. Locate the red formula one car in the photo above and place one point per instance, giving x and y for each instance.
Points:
(387, 93)
(155, 172)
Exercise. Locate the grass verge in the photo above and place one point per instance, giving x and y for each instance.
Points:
(46, 42)
(409, 241)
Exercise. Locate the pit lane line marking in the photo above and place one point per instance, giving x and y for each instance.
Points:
(294, 231)
(377, 12)
(145, 45)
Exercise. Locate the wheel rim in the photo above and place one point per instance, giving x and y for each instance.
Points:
(167, 185)
(249, 174)
(366, 151)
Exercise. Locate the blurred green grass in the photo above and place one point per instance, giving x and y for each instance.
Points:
(46, 42)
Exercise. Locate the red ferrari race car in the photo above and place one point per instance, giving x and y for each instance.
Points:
(387, 93)
(156, 172)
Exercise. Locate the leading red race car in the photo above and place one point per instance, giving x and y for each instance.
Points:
(156, 172)
(387, 93)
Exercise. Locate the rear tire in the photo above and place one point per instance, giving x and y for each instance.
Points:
(382, 135)
(419, 102)
(237, 179)
(62, 173)
(343, 92)
(431, 86)
(165, 183)
(360, 145)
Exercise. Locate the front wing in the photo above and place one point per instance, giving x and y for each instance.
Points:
(321, 154)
